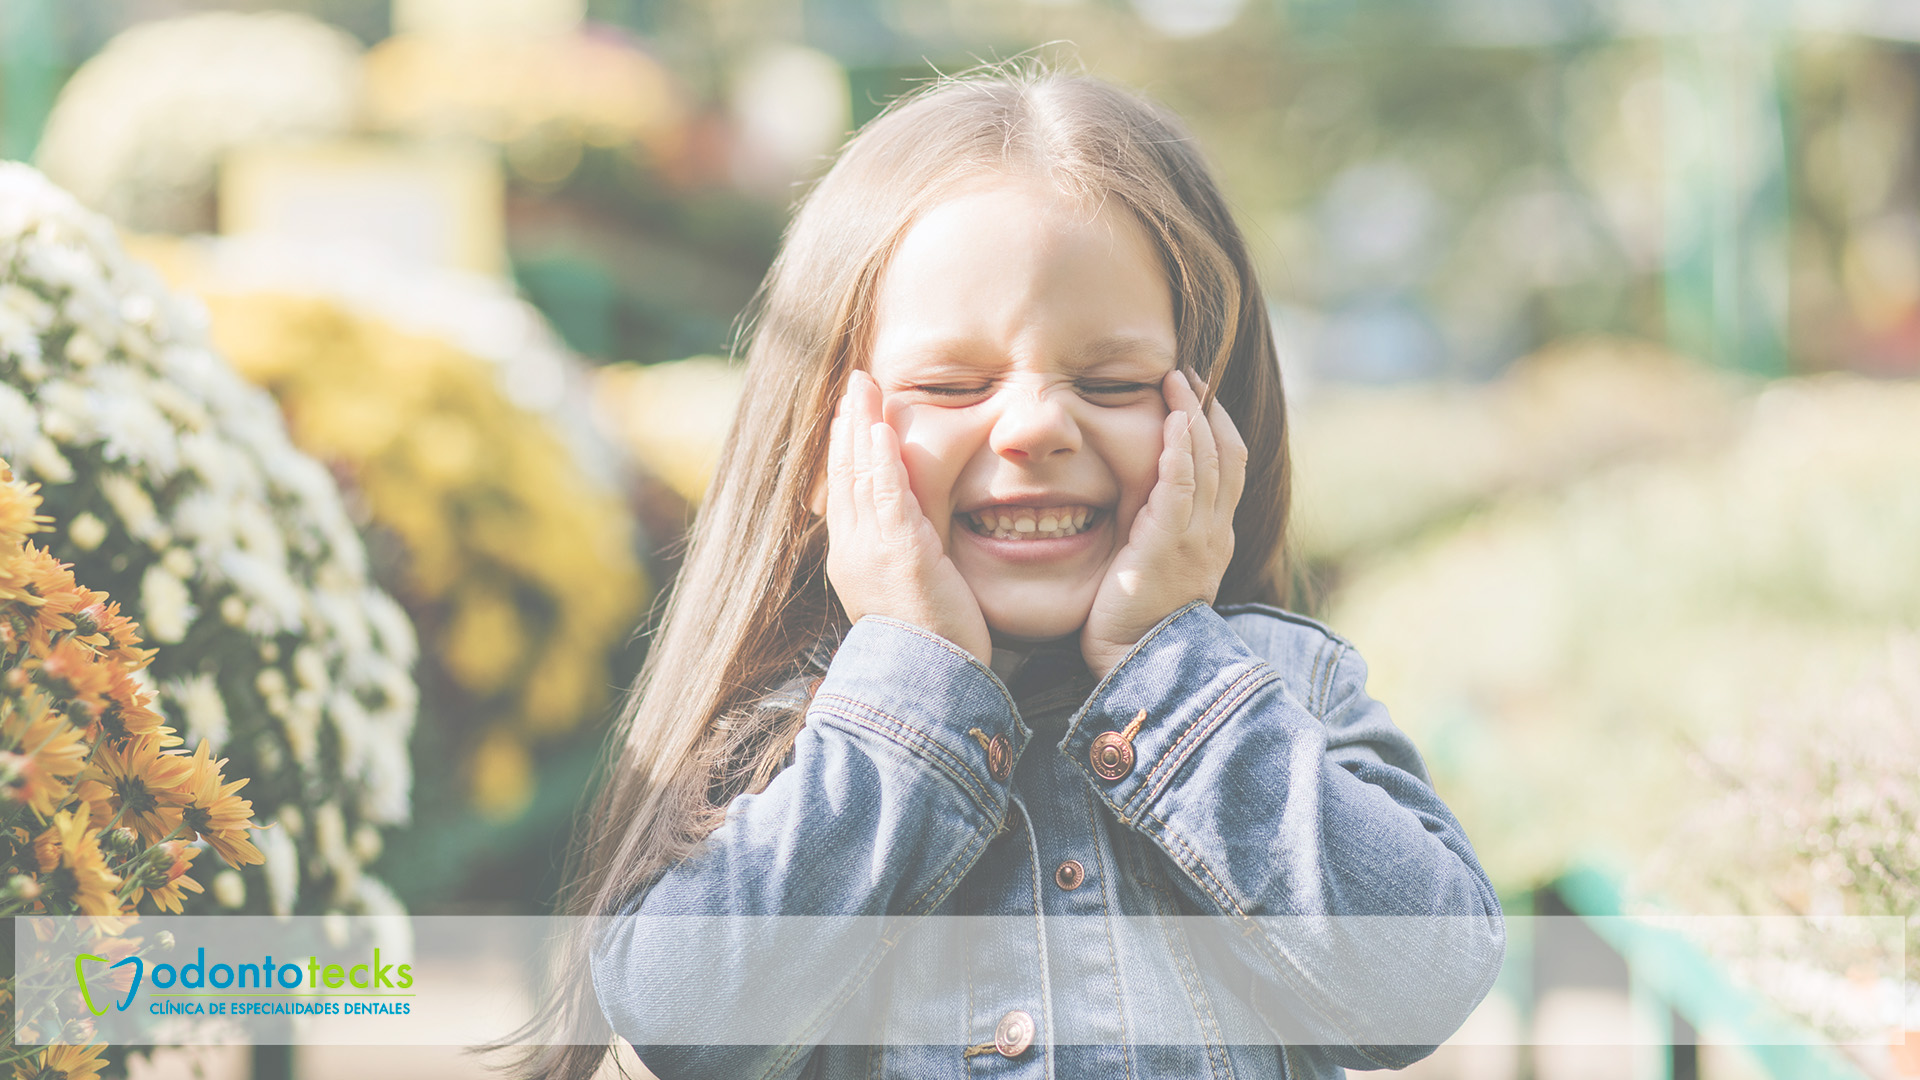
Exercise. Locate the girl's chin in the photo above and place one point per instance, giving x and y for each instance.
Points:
(1032, 622)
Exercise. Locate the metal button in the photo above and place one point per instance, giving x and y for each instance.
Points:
(1070, 875)
(999, 757)
(1112, 756)
(1014, 1034)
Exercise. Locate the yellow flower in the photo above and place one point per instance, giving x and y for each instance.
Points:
(147, 786)
(63, 1063)
(73, 674)
(214, 813)
(485, 645)
(51, 752)
(18, 503)
(69, 854)
(167, 881)
(502, 777)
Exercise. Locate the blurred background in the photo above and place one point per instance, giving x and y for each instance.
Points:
(1600, 321)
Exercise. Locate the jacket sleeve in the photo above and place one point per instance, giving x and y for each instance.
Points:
(1327, 866)
(736, 960)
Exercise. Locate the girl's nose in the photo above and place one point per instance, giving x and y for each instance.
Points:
(1033, 424)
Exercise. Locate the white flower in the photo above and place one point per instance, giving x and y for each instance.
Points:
(84, 349)
(87, 532)
(202, 707)
(282, 867)
(179, 562)
(19, 424)
(388, 779)
(229, 888)
(167, 605)
(366, 843)
(131, 503)
(273, 600)
(136, 432)
(47, 463)
(249, 533)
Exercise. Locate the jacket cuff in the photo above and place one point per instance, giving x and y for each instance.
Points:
(929, 697)
(1181, 680)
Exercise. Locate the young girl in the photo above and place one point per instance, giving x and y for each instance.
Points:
(977, 621)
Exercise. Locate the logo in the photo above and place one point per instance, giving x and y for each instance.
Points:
(252, 981)
(80, 976)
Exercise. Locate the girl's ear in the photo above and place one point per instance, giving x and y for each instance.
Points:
(817, 501)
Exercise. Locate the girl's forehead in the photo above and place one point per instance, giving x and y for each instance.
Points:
(1019, 258)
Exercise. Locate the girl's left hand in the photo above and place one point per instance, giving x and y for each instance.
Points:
(1181, 541)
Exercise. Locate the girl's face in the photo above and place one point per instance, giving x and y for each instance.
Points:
(1019, 341)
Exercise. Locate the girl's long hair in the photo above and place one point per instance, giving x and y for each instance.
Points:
(753, 596)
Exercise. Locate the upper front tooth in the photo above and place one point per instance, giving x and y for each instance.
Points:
(1049, 523)
(1024, 524)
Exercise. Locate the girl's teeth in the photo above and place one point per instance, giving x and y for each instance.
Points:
(1043, 526)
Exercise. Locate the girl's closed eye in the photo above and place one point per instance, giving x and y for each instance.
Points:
(1104, 390)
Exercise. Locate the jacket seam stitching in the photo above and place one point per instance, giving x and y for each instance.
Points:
(967, 856)
(1204, 725)
(1100, 688)
(957, 651)
(911, 739)
(1283, 965)
(1326, 689)
(867, 966)
(1187, 967)
(1106, 919)
(1313, 677)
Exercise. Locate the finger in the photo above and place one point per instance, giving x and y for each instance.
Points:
(1233, 459)
(1171, 500)
(1206, 454)
(893, 499)
(860, 438)
(839, 478)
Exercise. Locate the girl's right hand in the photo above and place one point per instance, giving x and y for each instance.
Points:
(883, 555)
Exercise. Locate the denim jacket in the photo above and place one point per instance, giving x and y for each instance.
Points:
(1221, 860)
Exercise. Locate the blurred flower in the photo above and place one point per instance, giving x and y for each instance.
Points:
(66, 1062)
(542, 96)
(217, 531)
(55, 753)
(139, 129)
(512, 540)
(670, 417)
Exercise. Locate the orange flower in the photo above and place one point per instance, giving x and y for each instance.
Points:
(60, 613)
(147, 786)
(18, 506)
(77, 871)
(167, 881)
(71, 672)
(114, 633)
(35, 575)
(51, 753)
(215, 813)
(65, 1062)
(128, 713)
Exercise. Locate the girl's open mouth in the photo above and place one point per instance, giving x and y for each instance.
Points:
(1031, 522)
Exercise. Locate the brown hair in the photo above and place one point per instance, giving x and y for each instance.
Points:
(752, 595)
